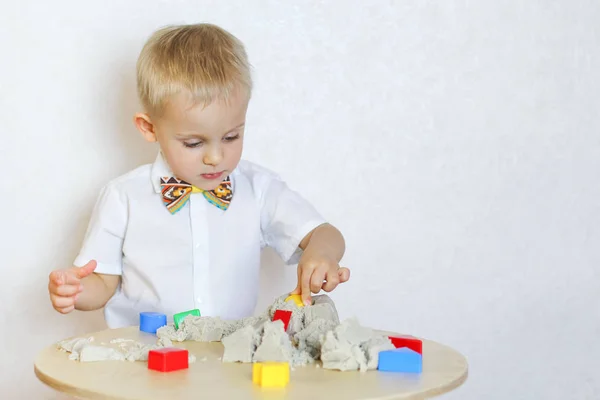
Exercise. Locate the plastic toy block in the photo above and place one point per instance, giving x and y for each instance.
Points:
(256, 370)
(271, 374)
(151, 321)
(400, 360)
(177, 318)
(168, 359)
(296, 298)
(283, 315)
(408, 341)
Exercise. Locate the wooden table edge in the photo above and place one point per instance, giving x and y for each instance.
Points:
(67, 389)
(80, 393)
(86, 394)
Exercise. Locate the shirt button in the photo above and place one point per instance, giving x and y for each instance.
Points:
(197, 245)
(199, 300)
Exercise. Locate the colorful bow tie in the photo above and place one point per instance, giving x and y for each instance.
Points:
(176, 193)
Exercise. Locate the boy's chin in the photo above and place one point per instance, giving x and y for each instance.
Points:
(208, 186)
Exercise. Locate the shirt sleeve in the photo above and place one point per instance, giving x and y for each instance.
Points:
(286, 218)
(103, 240)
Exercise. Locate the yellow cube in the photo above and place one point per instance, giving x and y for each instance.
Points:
(271, 374)
(256, 370)
(296, 298)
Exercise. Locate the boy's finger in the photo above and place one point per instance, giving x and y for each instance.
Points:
(65, 310)
(332, 281)
(57, 277)
(317, 279)
(67, 290)
(62, 302)
(53, 288)
(344, 274)
(87, 269)
(305, 287)
(68, 276)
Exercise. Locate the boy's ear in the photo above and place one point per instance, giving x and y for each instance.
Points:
(145, 126)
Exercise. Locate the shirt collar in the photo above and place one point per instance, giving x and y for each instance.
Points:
(160, 168)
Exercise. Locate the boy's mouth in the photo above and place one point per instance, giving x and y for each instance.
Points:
(216, 175)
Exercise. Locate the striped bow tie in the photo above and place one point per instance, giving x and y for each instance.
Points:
(176, 193)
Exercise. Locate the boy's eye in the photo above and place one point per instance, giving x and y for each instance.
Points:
(231, 138)
(193, 144)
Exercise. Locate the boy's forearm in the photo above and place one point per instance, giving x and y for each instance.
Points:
(97, 290)
(325, 239)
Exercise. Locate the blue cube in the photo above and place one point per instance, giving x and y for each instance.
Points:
(400, 360)
(151, 321)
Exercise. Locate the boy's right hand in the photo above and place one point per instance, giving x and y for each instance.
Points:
(65, 284)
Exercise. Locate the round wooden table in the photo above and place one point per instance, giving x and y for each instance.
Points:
(209, 378)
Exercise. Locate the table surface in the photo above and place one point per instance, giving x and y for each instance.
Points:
(444, 369)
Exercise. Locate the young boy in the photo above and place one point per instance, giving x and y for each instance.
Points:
(186, 231)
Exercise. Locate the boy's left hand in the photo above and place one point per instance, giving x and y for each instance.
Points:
(316, 272)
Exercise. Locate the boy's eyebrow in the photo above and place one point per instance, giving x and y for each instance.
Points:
(201, 136)
(236, 127)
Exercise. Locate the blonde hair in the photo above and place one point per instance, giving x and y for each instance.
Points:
(203, 59)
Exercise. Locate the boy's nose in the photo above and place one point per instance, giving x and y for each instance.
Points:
(213, 155)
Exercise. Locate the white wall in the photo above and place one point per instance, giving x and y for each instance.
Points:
(456, 144)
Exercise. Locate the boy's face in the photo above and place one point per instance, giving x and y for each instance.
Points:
(201, 144)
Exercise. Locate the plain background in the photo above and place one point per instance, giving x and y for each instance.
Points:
(455, 143)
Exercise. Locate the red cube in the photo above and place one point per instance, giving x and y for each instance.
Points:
(283, 315)
(408, 341)
(168, 359)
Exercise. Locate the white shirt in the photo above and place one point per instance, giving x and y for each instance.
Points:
(200, 257)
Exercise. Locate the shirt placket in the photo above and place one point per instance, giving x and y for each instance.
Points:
(200, 252)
